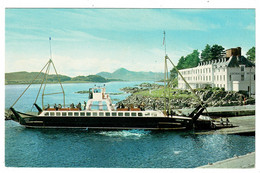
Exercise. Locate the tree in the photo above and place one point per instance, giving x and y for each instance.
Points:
(214, 52)
(206, 53)
(192, 60)
(251, 54)
(181, 63)
(189, 61)
(217, 51)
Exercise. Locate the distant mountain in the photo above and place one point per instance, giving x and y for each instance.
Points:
(127, 75)
(24, 77)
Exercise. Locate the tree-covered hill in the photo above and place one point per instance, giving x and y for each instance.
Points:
(24, 77)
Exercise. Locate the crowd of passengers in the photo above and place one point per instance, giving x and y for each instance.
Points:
(79, 106)
(72, 106)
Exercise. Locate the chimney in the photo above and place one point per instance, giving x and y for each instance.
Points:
(233, 52)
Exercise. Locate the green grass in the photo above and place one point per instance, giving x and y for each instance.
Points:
(159, 93)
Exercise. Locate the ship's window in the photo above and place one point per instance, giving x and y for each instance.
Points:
(133, 114)
(140, 114)
(147, 114)
(88, 114)
(76, 114)
(101, 113)
(127, 114)
(154, 114)
(69, 113)
(46, 114)
(57, 113)
(51, 113)
(114, 114)
(82, 113)
(120, 113)
(94, 113)
(107, 113)
(64, 114)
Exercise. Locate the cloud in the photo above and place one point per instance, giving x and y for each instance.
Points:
(137, 19)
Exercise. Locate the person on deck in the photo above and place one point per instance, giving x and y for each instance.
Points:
(55, 107)
(72, 105)
(84, 105)
(48, 106)
(79, 106)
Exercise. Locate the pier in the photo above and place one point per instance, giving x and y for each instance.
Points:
(224, 111)
(243, 125)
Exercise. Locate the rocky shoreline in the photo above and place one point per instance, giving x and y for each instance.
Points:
(183, 98)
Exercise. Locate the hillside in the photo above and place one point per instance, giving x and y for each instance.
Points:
(127, 75)
(24, 77)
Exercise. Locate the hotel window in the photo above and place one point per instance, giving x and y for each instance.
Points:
(242, 68)
(230, 77)
(209, 78)
(220, 78)
(223, 77)
(209, 70)
(242, 77)
(217, 77)
(206, 78)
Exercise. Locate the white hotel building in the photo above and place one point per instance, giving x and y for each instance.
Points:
(233, 73)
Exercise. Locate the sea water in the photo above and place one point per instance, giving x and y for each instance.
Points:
(110, 149)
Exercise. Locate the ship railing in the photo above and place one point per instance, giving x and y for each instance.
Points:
(102, 113)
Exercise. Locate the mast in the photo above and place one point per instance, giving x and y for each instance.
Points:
(44, 82)
(165, 66)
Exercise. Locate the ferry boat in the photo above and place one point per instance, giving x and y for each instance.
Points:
(100, 113)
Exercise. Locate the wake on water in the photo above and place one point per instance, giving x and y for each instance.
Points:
(125, 133)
